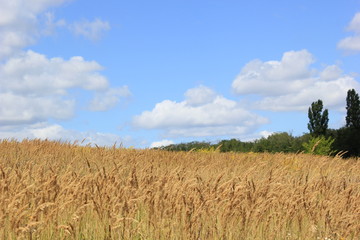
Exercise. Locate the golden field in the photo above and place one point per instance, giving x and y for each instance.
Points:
(53, 190)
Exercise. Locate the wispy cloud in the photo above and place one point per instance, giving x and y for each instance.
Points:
(51, 23)
(92, 30)
(105, 100)
(352, 44)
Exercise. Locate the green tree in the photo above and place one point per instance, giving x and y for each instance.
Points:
(318, 119)
(347, 141)
(235, 145)
(349, 137)
(319, 145)
(352, 109)
(277, 142)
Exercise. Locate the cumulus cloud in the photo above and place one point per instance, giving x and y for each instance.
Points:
(22, 22)
(92, 30)
(43, 130)
(291, 84)
(161, 143)
(31, 73)
(332, 93)
(18, 109)
(19, 23)
(273, 78)
(352, 43)
(199, 96)
(35, 88)
(209, 116)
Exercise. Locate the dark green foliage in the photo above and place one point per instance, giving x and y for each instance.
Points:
(234, 145)
(188, 146)
(347, 140)
(352, 109)
(318, 120)
(335, 141)
(278, 142)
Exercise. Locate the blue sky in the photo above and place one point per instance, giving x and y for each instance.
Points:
(146, 73)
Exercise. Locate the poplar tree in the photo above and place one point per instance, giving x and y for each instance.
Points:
(318, 119)
(352, 109)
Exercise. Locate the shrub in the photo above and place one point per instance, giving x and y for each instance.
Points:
(319, 145)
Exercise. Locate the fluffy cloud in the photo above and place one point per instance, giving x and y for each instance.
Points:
(19, 23)
(22, 22)
(35, 88)
(352, 43)
(208, 115)
(332, 93)
(91, 30)
(57, 132)
(199, 96)
(275, 77)
(18, 109)
(291, 84)
(161, 143)
(34, 74)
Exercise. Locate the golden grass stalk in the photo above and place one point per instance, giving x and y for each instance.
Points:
(54, 190)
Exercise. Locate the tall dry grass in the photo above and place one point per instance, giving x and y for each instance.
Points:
(52, 190)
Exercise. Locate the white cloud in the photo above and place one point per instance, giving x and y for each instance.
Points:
(332, 93)
(18, 109)
(355, 23)
(56, 132)
(291, 84)
(104, 100)
(199, 96)
(352, 43)
(22, 22)
(50, 23)
(34, 74)
(266, 133)
(275, 77)
(214, 117)
(91, 30)
(19, 23)
(332, 72)
(162, 143)
(255, 136)
(35, 88)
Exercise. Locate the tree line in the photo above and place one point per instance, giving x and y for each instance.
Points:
(321, 140)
